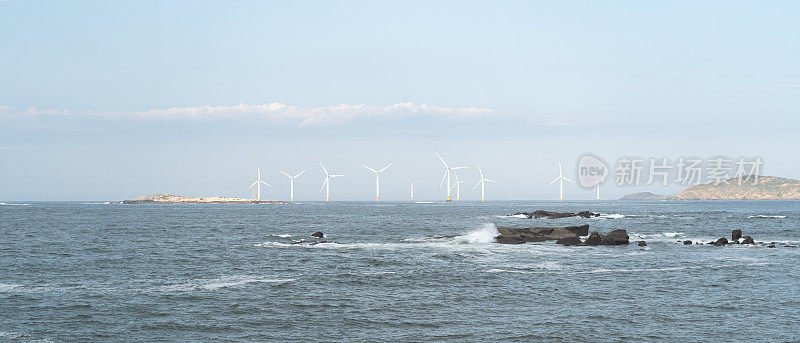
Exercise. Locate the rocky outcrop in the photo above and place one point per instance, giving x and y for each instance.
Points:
(570, 241)
(616, 237)
(554, 215)
(736, 234)
(537, 234)
(747, 240)
(765, 188)
(595, 238)
(642, 243)
(720, 242)
(177, 199)
(317, 234)
(687, 242)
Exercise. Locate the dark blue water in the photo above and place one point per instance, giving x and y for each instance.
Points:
(108, 272)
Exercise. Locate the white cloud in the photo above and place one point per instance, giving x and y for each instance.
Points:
(279, 113)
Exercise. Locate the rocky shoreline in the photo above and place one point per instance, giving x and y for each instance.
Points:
(555, 215)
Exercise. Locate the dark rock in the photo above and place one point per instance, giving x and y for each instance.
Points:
(747, 240)
(317, 234)
(771, 246)
(642, 243)
(687, 242)
(554, 215)
(616, 237)
(582, 230)
(720, 242)
(736, 234)
(535, 234)
(570, 241)
(594, 239)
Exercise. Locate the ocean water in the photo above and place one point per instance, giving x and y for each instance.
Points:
(78, 272)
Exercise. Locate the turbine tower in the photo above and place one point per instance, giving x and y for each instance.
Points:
(327, 184)
(447, 170)
(411, 182)
(378, 179)
(457, 186)
(598, 191)
(482, 182)
(560, 178)
(258, 183)
(291, 183)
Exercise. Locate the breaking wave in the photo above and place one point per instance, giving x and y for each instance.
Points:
(610, 216)
(214, 284)
(4, 204)
(766, 217)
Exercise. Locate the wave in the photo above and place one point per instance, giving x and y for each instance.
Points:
(281, 235)
(610, 216)
(4, 204)
(766, 217)
(424, 202)
(518, 216)
(4, 287)
(484, 235)
(214, 284)
(496, 270)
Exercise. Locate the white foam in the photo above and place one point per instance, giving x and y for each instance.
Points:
(214, 284)
(4, 204)
(4, 287)
(424, 202)
(484, 235)
(283, 235)
(603, 270)
(610, 216)
(496, 270)
(765, 216)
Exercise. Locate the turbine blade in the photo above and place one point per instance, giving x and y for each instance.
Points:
(301, 173)
(251, 186)
(457, 168)
(323, 185)
(566, 179)
(488, 180)
(323, 168)
(477, 184)
(287, 175)
(370, 169)
(480, 171)
(552, 182)
(440, 157)
(408, 178)
(444, 176)
(387, 167)
(337, 175)
(266, 183)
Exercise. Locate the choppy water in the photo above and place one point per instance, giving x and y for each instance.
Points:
(109, 272)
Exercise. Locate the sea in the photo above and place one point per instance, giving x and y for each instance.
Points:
(395, 272)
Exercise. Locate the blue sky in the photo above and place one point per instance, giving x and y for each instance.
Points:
(108, 100)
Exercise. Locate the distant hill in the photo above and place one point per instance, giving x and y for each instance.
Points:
(644, 196)
(768, 188)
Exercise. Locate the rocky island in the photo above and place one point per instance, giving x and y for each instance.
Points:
(177, 199)
(643, 196)
(767, 188)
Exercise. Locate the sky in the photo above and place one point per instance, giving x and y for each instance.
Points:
(108, 100)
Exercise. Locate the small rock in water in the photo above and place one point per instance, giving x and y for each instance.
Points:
(594, 238)
(616, 237)
(736, 234)
(687, 242)
(721, 241)
(642, 243)
(317, 234)
(771, 245)
(747, 240)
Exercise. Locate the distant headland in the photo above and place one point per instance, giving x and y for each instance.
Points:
(177, 199)
(767, 188)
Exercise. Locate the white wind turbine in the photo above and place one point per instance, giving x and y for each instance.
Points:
(327, 184)
(447, 170)
(482, 183)
(411, 182)
(560, 178)
(378, 179)
(291, 183)
(258, 183)
(457, 186)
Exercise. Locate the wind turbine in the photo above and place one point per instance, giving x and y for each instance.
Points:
(560, 178)
(327, 184)
(411, 182)
(258, 183)
(378, 179)
(457, 186)
(447, 170)
(291, 183)
(482, 182)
